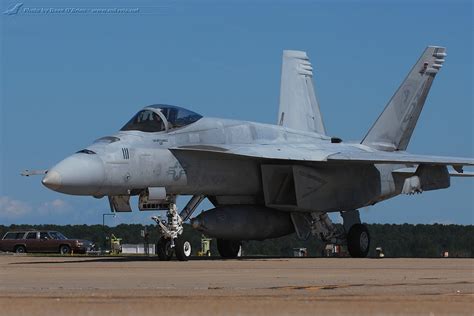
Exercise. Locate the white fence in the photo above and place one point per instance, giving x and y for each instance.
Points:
(137, 249)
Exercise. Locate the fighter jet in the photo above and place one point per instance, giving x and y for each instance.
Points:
(265, 181)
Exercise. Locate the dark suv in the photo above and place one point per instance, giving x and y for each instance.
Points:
(42, 241)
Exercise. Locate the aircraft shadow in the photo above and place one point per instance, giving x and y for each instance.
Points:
(119, 259)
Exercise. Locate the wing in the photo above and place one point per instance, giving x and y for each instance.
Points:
(399, 158)
(328, 153)
(306, 152)
(299, 108)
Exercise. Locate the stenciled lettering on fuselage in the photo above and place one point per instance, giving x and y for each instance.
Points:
(176, 171)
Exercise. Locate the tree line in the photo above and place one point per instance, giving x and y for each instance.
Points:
(405, 240)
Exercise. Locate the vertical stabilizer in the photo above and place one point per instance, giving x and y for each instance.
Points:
(394, 127)
(299, 107)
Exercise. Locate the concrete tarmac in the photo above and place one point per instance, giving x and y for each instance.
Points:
(145, 286)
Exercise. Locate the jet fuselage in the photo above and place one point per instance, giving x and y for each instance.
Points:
(132, 161)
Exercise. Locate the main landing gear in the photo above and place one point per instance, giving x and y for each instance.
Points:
(357, 234)
(229, 249)
(358, 241)
(354, 234)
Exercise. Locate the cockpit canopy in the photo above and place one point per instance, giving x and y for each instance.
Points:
(161, 117)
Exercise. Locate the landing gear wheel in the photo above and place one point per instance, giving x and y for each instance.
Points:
(64, 250)
(358, 241)
(163, 249)
(228, 248)
(182, 249)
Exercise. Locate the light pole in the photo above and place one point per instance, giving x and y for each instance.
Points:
(103, 218)
(103, 227)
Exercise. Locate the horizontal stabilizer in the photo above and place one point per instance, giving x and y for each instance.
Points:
(464, 174)
(452, 173)
(401, 158)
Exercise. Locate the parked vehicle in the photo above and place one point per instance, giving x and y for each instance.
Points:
(42, 241)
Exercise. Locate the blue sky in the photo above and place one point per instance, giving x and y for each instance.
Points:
(68, 78)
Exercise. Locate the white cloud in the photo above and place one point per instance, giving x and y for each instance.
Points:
(10, 208)
(56, 206)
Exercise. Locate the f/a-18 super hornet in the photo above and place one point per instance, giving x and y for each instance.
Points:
(265, 181)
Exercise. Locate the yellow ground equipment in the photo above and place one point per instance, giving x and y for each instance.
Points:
(205, 247)
(115, 245)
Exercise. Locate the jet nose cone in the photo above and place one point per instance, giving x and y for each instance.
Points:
(79, 174)
(52, 180)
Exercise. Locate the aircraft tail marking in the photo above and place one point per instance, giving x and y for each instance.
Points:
(394, 127)
(299, 107)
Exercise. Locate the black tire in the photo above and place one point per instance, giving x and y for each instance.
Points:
(182, 249)
(20, 249)
(358, 241)
(228, 248)
(64, 249)
(163, 249)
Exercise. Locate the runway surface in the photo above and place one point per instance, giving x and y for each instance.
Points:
(146, 286)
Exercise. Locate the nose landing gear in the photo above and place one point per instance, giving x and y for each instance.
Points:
(164, 250)
(182, 249)
(171, 240)
(171, 230)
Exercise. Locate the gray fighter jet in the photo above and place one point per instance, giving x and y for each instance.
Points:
(265, 181)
